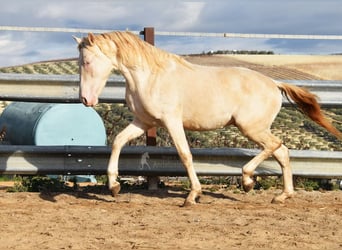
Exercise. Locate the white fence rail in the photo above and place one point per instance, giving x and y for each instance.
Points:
(168, 33)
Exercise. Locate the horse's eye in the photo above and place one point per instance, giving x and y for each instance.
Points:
(86, 63)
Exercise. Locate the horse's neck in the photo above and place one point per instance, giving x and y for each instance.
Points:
(136, 80)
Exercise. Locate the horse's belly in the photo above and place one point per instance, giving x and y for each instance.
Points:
(207, 112)
(207, 122)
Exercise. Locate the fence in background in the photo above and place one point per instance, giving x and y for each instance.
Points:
(150, 161)
(169, 33)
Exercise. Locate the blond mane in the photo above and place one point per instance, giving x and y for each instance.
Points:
(134, 52)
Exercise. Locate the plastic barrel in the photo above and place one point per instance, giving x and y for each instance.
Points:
(52, 124)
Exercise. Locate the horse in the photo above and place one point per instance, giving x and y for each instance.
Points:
(165, 90)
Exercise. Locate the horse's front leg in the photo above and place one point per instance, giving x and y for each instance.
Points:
(177, 134)
(133, 130)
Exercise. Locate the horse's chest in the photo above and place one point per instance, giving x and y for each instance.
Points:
(141, 109)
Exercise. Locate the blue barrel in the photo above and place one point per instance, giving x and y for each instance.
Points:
(52, 124)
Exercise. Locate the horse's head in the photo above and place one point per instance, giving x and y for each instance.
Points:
(94, 69)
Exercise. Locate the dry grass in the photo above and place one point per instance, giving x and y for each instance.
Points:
(328, 67)
(296, 67)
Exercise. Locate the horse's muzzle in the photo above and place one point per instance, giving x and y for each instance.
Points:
(88, 103)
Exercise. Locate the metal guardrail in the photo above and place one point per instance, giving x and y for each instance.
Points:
(64, 88)
(158, 161)
(54, 88)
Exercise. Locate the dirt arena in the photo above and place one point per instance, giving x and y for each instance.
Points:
(142, 219)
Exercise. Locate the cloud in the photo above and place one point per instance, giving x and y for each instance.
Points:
(268, 16)
(18, 48)
(178, 16)
(243, 16)
(11, 50)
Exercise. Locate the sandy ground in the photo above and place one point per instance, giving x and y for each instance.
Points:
(142, 219)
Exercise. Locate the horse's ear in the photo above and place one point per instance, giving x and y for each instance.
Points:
(91, 38)
(77, 39)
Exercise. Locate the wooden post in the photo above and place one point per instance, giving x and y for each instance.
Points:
(151, 134)
(149, 35)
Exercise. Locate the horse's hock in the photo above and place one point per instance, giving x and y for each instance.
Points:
(51, 124)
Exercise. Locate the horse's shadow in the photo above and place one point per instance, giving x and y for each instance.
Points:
(102, 194)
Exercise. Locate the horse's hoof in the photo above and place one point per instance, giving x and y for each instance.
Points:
(115, 189)
(188, 203)
(277, 200)
(192, 198)
(280, 199)
(248, 187)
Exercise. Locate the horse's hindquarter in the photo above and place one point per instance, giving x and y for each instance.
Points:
(215, 97)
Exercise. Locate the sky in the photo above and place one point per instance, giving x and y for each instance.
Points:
(312, 17)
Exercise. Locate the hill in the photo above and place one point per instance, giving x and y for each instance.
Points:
(289, 67)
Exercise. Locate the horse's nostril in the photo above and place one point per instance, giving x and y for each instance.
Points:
(84, 100)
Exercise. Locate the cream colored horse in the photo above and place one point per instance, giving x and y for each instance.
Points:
(162, 89)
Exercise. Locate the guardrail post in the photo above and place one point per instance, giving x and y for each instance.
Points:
(151, 134)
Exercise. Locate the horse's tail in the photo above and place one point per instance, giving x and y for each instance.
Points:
(307, 102)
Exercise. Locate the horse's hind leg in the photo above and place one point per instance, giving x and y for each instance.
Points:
(248, 169)
(271, 145)
(282, 156)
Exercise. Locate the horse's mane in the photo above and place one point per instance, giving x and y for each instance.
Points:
(134, 52)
